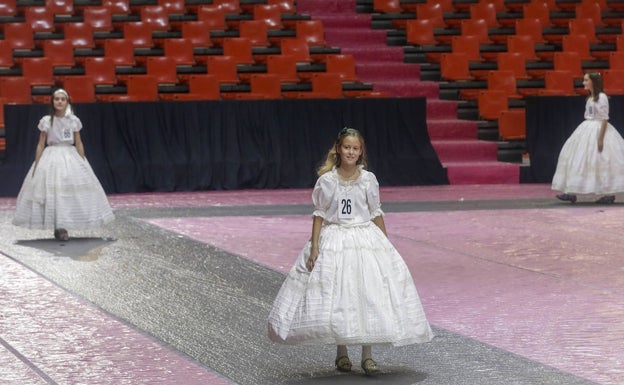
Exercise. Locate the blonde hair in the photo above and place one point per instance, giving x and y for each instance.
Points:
(333, 157)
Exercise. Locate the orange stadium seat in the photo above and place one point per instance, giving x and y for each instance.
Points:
(173, 7)
(491, 103)
(101, 70)
(156, 17)
(327, 85)
(223, 67)
(205, 86)
(213, 17)
(180, 50)
(513, 61)
(613, 80)
(431, 11)
(585, 27)
(141, 88)
(118, 7)
(616, 60)
(311, 31)
(523, 44)
(163, 68)
(38, 71)
(297, 48)
(21, 35)
(284, 66)
(387, 6)
(15, 89)
(238, 48)
(577, 43)
(568, 61)
(468, 45)
(455, 66)
(8, 8)
(60, 52)
(504, 81)
(512, 124)
(558, 83)
(139, 33)
(197, 32)
(485, 11)
(41, 19)
(537, 10)
(121, 51)
(6, 54)
(80, 87)
(476, 27)
(80, 34)
(100, 18)
(590, 10)
(271, 15)
(256, 31)
(420, 32)
(263, 86)
(344, 65)
(229, 6)
(60, 7)
(531, 27)
(287, 6)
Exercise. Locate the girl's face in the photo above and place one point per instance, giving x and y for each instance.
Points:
(60, 103)
(587, 83)
(350, 150)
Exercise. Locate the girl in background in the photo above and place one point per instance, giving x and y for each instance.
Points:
(349, 285)
(61, 191)
(592, 159)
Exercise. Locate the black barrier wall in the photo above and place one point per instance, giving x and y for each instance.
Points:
(219, 145)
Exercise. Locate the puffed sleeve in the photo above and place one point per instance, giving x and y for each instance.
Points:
(44, 124)
(372, 196)
(322, 195)
(602, 107)
(76, 123)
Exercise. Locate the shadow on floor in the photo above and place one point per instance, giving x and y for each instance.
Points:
(388, 376)
(79, 249)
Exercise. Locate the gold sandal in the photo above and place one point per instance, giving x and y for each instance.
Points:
(343, 364)
(370, 366)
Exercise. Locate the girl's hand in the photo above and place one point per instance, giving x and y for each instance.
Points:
(312, 258)
(600, 144)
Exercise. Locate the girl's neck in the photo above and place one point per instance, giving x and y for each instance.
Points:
(348, 172)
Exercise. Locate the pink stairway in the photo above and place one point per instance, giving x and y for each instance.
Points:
(466, 159)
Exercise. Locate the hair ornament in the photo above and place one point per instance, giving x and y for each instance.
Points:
(68, 110)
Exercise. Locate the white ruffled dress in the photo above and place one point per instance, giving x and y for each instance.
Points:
(64, 192)
(581, 169)
(360, 290)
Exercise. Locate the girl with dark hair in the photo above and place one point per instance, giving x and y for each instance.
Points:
(592, 159)
(349, 285)
(61, 191)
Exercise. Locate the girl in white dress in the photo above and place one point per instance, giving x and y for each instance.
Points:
(349, 285)
(61, 191)
(592, 159)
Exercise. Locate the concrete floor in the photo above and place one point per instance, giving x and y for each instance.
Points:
(520, 289)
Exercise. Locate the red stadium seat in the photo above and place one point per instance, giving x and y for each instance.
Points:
(81, 88)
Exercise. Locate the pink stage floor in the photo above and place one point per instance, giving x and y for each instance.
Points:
(508, 266)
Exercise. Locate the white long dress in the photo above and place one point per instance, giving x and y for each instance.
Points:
(360, 290)
(581, 169)
(64, 192)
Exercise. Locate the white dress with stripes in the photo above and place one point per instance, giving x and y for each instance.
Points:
(360, 290)
(63, 192)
